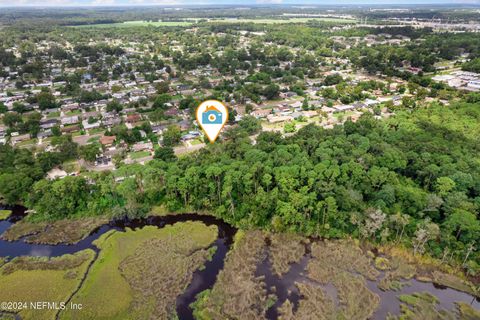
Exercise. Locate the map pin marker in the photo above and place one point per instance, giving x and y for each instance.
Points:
(212, 116)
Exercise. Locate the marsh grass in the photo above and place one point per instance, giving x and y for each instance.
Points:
(4, 214)
(452, 281)
(421, 306)
(315, 302)
(344, 265)
(398, 270)
(341, 255)
(467, 312)
(139, 273)
(68, 231)
(42, 279)
(285, 249)
(65, 262)
(237, 293)
(22, 229)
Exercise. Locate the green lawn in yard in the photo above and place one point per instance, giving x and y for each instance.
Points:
(73, 113)
(139, 154)
(53, 115)
(96, 130)
(27, 142)
(196, 141)
(93, 139)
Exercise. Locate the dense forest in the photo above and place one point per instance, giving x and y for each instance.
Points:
(414, 179)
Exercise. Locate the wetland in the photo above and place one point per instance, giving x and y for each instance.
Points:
(190, 266)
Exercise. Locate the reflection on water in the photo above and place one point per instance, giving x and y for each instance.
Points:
(447, 297)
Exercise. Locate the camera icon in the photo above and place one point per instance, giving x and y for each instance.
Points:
(212, 116)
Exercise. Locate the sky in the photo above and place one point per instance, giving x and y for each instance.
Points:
(62, 3)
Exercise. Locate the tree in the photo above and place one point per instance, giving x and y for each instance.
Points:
(3, 108)
(59, 198)
(172, 136)
(271, 91)
(250, 124)
(463, 224)
(425, 232)
(399, 221)
(444, 185)
(332, 79)
(161, 100)
(165, 154)
(65, 146)
(12, 120)
(46, 100)
(89, 152)
(114, 105)
(289, 127)
(14, 187)
(374, 220)
(163, 87)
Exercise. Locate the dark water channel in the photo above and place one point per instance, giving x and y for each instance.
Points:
(282, 286)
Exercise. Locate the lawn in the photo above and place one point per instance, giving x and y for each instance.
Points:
(73, 113)
(140, 273)
(96, 131)
(71, 166)
(93, 139)
(31, 279)
(55, 114)
(27, 142)
(196, 141)
(139, 154)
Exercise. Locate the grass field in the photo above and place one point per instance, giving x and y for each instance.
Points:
(42, 279)
(129, 24)
(139, 154)
(290, 20)
(140, 273)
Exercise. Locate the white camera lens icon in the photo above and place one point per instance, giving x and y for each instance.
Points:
(212, 117)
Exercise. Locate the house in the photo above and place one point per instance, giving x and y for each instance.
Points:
(158, 128)
(107, 141)
(48, 123)
(273, 119)
(87, 126)
(172, 112)
(141, 146)
(44, 134)
(342, 108)
(70, 129)
(19, 138)
(261, 113)
(70, 120)
(132, 118)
